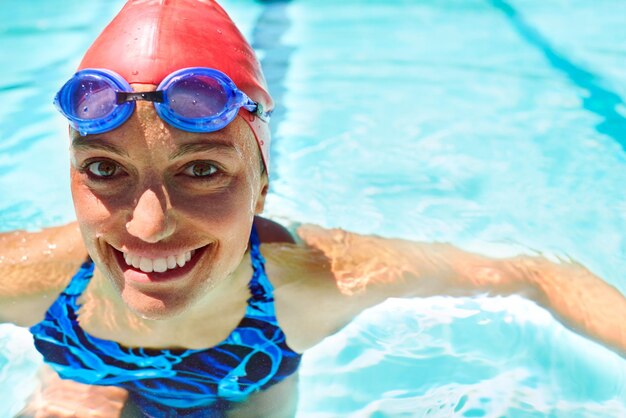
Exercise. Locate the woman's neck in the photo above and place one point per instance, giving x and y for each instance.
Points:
(209, 319)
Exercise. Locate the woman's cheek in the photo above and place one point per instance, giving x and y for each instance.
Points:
(228, 202)
(93, 213)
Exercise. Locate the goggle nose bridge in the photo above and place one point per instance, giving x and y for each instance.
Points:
(122, 97)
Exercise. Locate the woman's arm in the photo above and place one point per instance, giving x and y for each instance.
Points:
(34, 268)
(372, 268)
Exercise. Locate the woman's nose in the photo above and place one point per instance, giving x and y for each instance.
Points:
(151, 220)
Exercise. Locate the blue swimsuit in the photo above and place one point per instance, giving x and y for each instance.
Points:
(175, 382)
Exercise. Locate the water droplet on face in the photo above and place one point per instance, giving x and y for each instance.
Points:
(219, 31)
(195, 102)
(135, 72)
(52, 246)
(24, 258)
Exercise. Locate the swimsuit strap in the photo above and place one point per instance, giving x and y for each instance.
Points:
(66, 304)
(261, 303)
(68, 299)
(80, 280)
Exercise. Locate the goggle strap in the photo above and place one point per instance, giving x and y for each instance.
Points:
(257, 109)
(148, 96)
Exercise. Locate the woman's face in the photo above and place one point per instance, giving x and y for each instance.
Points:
(166, 214)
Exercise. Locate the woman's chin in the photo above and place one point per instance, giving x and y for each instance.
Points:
(159, 296)
(154, 307)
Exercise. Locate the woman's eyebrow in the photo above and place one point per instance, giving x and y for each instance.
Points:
(213, 145)
(80, 142)
(85, 143)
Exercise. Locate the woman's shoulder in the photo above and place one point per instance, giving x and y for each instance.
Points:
(310, 305)
(34, 268)
(285, 258)
(289, 261)
(272, 232)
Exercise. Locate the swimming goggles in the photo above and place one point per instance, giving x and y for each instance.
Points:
(195, 99)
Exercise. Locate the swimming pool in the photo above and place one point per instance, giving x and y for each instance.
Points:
(498, 126)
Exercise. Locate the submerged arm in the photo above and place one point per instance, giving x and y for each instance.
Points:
(373, 268)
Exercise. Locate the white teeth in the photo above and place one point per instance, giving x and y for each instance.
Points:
(145, 265)
(181, 260)
(159, 265)
(171, 261)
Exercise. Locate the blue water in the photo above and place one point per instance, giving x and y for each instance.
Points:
(499, 126)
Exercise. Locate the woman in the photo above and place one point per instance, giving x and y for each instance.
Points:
(168, 176)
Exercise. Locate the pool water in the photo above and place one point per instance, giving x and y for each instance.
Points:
(499, 126)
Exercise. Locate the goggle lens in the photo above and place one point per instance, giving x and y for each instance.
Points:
(91, 98)
(197, 97)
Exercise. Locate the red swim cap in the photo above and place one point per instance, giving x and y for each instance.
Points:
(149, 39)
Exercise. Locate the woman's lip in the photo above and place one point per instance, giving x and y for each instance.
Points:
(135, 275)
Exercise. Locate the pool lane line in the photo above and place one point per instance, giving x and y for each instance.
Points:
(599, 100)
(269, 28)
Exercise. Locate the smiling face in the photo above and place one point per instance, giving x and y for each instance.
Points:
(166, 214)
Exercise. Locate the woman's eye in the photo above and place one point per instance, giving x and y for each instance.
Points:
(103, 169)
(200, 170)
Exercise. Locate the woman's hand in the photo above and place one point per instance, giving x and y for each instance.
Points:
(578, 298)
(59, 398)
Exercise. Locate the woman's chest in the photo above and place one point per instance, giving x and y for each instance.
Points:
(102, 320)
